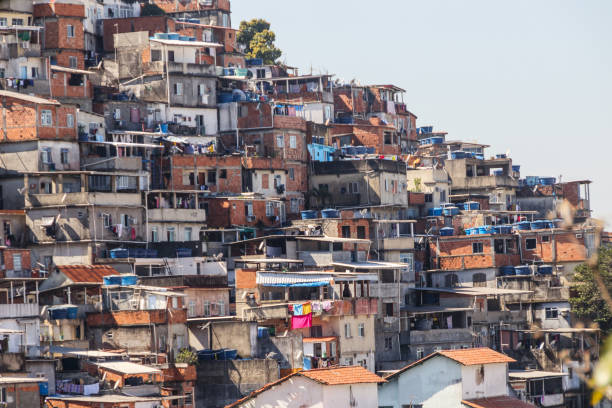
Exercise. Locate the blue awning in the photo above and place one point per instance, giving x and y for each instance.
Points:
(297, 285)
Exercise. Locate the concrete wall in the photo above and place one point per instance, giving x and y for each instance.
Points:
(556, 323)
(238, 335)
(220, 383)
(484, 381)
(287, 350)
(435, 383)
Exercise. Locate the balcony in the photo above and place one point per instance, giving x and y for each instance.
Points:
(437, 336)
(84, 198)
(177, 215)
(483, 182)
(396, 244)
(188, 68)
(115, 163)
(12, 311)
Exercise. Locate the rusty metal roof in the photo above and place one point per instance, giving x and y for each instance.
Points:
(86, 274)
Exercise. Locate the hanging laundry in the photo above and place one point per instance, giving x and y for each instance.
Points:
(298, 310)
(301, 322)
(306, 308)
(133, 234)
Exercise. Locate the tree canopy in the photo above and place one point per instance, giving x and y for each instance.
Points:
(258, 40)
(151, 9)
(587, 300)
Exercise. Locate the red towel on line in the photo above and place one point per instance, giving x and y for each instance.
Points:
(300, 322)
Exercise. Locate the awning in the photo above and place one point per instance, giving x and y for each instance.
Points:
(293, 279)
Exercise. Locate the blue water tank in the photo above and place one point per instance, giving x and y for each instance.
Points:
(112, 280)
(447, 232)
(538, 225)
(545, 270)
(437, 211)
(486, 229)
(523, 270)
(308, 214)
(174, 36)
(330, 213)
(458, 155)
(547, 181)
(450, 211)
(523, 226)
(437, 140)
(507, 270)
(501, 156)
(532, 181)
(129, 280)
(470, 231)
(516, 169)
(119, 253)
(471, 206)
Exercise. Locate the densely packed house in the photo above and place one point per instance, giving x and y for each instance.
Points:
(186, 227)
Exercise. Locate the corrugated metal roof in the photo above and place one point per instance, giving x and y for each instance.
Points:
(87, 274)
(28, 98)
(274, 278)
(126, 367)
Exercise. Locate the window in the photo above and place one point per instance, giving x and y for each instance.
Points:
(191, 308)
(280, 141)
(361, 232)
(545, 238)
(221, 307)
(347, 330)
(212, 177)
(389, 309)
(295, 205)
(64, 156)
(171, 234)
(188, 232)
(206, 308)
(443, 196)
(106, 220)
(388, 138)
(46, 118)
(530, 243)
(3, 22)
(16, 262)
(45, 155)
(269, 209)
(154, 234)
(117, 114)
(291, 173)
(72, 62)
(388, 343)
(223, 174)
(428, 198)
(34, 72)
(361, 330)
(477, 248)
(178, 89)
(69, 120)
(346, 231)
(171, 56)
(552, 313)
(420, 352)
(292, 142)
(17, 21)
(155, 55)
(479, 280)
(70, 31)
(451, 280)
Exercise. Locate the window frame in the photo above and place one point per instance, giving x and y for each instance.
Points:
(529, 247)
(477, 248)
(70, 31)
(46, 118)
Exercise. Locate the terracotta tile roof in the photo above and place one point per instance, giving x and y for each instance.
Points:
(86, 273)
(342, 375)
(497, 402)
(476, 356)
(471, 356)
(327, 376)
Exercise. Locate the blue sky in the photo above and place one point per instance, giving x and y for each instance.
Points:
(531, 77)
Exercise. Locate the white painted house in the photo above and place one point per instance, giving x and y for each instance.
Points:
(451, 379)
(324, 387)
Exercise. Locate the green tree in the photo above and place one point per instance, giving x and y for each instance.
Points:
(587, 301)
(258, 40)
(186, 356)
(151, 9)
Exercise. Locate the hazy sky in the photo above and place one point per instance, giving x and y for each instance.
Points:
(531, 77)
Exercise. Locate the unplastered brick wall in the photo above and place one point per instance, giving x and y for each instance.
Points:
(565, 246)
(345, 102)
(9, 254)
(225, 212)
(227, 173)
(23, 121)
